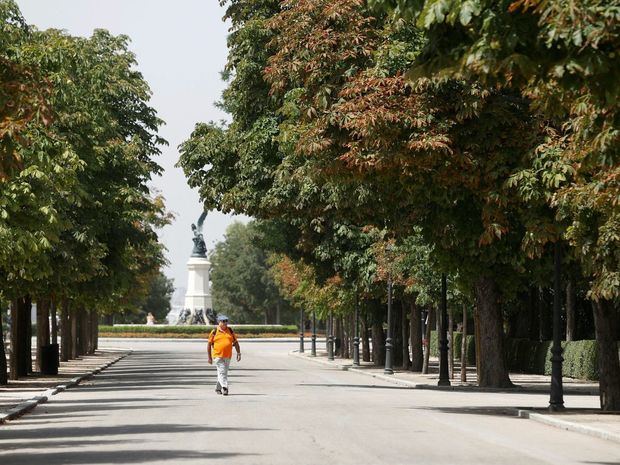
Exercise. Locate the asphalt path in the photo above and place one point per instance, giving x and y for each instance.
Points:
(159, 406)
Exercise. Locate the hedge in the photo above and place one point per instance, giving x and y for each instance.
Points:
(580, 358)
(458, 338)
(525, 356)
(196, 329)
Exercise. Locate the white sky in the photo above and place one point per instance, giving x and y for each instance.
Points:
(181, 49)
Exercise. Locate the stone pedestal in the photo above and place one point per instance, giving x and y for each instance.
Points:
(198, 294)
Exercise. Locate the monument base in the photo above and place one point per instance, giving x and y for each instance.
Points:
(198, 305)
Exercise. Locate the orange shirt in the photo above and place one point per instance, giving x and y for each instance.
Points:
(222, 343)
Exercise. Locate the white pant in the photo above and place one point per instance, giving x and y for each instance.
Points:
(222, 365)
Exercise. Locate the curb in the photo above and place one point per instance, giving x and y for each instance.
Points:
(520, 413)
(567, 425)
(27, 405)
(434, 387)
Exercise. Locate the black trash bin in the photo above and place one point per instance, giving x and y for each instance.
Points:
(49, 359)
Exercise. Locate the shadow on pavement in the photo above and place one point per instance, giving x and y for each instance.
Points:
(117, 456)
(43, 444)
(116, 430)
(360, 386)
(472, 410)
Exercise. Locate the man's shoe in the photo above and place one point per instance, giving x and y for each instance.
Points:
(218, 391)
(225, 391)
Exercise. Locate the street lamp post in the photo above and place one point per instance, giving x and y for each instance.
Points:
(556, 400)
(313, 345)
(330, 338)
(389, 369)
(356, 339)
(301, 330)
(444, 377)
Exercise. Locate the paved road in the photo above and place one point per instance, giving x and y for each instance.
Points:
(159, 406)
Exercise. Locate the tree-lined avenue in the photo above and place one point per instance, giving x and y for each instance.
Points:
(158, 406)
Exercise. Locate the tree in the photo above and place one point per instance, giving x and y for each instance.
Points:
(77, 218)
(351, 145)
(562, 57)
(442, 150)
(243, 287)
(23, 95)
(156, 301)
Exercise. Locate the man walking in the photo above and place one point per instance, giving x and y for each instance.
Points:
(221, 341)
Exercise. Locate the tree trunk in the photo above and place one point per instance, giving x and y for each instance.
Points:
(54, 322)
(427, 342)
(464, 347)
(415, 336)
(493, 369)
(3, 367)
(534, 330)
(337, 339)
(397, 336)
(84, 326)
(404, 325)
(450, 344)
(65, 330)
(14, 341)
(40, 342)
(541, 314)
(43, 332)
(571, 302)
(378, 344)
(351, 335)
(26, 315)
(96, 323)
(477, 342)
(21, 347)
(93, 331)
(365, 341)
(345, 337)
(73, 323)
(609, 364)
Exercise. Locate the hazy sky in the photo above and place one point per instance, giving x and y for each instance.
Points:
(181, 49)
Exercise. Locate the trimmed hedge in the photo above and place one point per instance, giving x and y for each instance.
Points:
(458, 338)
(525, 356)
(580, 358)
(197, 329)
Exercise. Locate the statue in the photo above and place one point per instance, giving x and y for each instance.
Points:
(198, 294)
(198, 318)
(211, 316)
(184, 316)
(200, 249)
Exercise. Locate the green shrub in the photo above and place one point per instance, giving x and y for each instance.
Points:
(195, 329)
(434, 344)
(458, 338)
(525, 356)
(580, 358)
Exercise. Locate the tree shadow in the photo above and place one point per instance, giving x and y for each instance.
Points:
(44, 444)
(604, 463)
(116, 430)
(472, 410)
(114, 456)
(360, 386)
